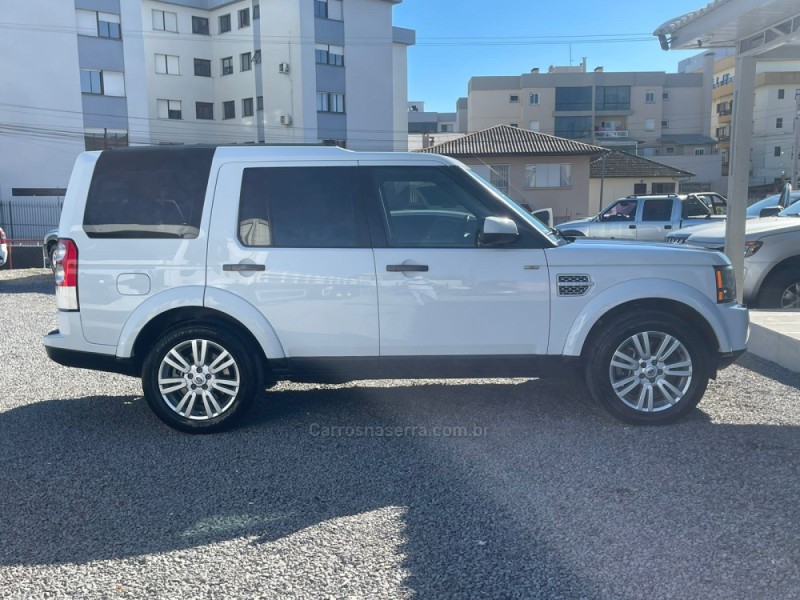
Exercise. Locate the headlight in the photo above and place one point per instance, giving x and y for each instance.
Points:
(751, 248)
(726, 284)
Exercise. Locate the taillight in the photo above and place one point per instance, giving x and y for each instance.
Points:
(66, 275)
(3, 239)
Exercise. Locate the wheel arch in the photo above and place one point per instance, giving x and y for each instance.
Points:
(693, 306)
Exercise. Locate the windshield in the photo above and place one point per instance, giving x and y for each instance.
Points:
(551, 234)
(792, 211)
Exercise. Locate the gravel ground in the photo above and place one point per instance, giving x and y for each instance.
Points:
(547, 497)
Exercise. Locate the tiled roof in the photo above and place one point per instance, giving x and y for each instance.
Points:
(622, 164)
(503, 140)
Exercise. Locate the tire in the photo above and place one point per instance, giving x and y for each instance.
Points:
(781, 289)
(51, 256)
(662, 392)
(195, 395)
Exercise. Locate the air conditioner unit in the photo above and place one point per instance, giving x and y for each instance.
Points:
(286, 119)
(283, 67)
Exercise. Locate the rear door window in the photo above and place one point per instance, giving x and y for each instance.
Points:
(148, 193)
(657, 209)
(301, 207)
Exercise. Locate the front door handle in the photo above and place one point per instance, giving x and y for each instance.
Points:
(631, 226)
(239, 267)
(667, 226)
(407, 268)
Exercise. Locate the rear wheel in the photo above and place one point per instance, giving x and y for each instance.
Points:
(647, 368)
(199, 379)
(51, 255)
(781, 290)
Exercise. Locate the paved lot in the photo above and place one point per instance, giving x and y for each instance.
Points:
(546, 498)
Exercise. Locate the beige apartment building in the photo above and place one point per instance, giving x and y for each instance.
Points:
(645, 113)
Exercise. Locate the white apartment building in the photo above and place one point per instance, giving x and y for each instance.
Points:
(777, 81)
(92, 74)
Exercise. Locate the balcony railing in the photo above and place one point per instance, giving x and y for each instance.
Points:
(610, 134)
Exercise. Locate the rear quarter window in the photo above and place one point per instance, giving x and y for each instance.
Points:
(148, 193)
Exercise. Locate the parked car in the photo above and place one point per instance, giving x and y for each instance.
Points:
(772, 256)
(214, 272)
(49, 248)
(648, 218)
(770, 206)
(3, 247)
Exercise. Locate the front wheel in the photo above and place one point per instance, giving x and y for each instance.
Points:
(199, 379)
(781, 290)
(647, 368)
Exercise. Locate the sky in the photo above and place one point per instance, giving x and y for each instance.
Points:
(459, 39)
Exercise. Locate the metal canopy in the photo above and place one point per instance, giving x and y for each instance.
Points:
(754, 27)
(759, 30)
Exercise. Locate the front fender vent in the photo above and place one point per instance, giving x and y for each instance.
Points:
(573, 285)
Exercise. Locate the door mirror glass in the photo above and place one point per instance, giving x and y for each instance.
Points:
(497, 231)
(770, 211)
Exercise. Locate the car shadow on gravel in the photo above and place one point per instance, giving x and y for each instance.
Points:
(34, 281)
(506, 488)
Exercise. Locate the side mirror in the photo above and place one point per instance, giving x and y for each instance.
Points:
(497, 231)
(545, 215)
(769, 211)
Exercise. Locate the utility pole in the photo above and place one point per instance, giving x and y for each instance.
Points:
(796, 145)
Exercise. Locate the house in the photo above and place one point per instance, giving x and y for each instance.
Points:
(535, 169)
(619, 174)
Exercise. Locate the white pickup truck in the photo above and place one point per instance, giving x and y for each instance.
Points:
(648, 218)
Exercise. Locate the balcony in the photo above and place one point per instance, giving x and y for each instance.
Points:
(607, 134)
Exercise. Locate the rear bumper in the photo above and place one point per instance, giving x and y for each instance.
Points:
(94, 361)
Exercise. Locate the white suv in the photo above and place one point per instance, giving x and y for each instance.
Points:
(214, 272)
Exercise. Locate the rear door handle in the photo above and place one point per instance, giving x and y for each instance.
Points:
(406, 268)
(631, 226)
(239, 267)
(667, 226)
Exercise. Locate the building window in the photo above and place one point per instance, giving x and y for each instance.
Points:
(229, 110)
(650, 97)
(330, 102)
(574, 98)
(169, 109)
(247, 107)
(165, 21)
(498, 177)
(244, 18)
(664, 188)
(779, 123)
(699, 151)
(664, 124)
(256, 12)
(98, 24)
(227, 65)
(574, 127)
(246, 61)
(91, 82)
(514, 98)
(329, 55)
(200, 25)
(224, 23)
(649, 124)
(781, 94)
(106, 83)
(328, 9)
(202, 67)
(103, 139)
(669, 150)
(665, 96)
(548, 175)
(533, 98)
(777, 151)
(612, 97)
(260, 103)
(533, 125)
(204, 110)
(648, 152)
(166, 64)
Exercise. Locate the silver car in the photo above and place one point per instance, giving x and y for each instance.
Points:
(772, 256)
